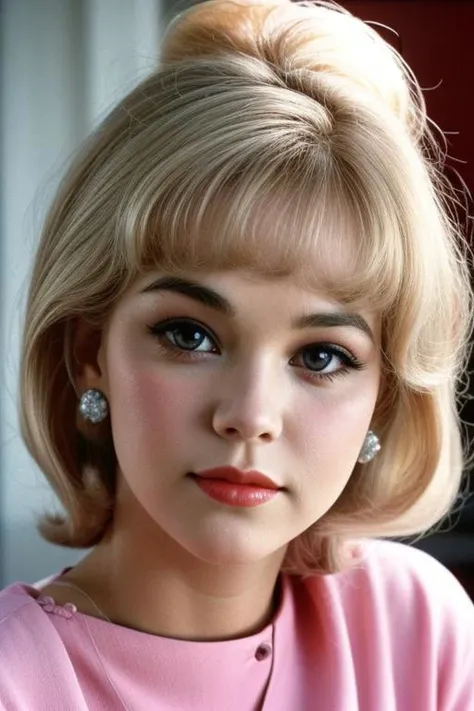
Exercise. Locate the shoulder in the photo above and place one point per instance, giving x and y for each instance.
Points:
(17, 604)
(22, 622)
(396, 586)
(421, 600)
(402, 582)
(399, 603)
(31, 651)
(407, 574)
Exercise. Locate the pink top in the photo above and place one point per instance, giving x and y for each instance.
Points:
(394, 634)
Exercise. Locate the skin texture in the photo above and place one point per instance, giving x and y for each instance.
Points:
(175, 562)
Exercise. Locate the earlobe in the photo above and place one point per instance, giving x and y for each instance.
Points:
(87, 357)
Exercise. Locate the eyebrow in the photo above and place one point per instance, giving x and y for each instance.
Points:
(208, 297)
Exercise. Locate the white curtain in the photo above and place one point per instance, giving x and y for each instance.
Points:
(65, 62)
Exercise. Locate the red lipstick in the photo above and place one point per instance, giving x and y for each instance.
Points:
(235, 487)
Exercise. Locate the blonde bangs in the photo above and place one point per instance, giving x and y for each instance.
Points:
(301, 219)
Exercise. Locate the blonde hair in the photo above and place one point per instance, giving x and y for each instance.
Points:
(260, 109)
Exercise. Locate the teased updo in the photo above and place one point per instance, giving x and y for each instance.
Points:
(272, 136)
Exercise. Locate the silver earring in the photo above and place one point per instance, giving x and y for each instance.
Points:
(93, 406)
(370, 448)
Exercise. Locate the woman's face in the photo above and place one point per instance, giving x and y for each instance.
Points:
(236, 381)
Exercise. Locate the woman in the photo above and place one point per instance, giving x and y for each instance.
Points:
(247, 318)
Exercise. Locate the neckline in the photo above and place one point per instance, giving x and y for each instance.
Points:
(69, 610)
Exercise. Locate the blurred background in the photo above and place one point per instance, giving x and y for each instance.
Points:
(64, 64)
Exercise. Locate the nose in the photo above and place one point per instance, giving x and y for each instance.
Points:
(250, 406)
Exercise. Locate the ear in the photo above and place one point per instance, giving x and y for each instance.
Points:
(88, 357)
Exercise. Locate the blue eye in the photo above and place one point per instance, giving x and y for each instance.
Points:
(326, 360)
(186, 335)
(321, 357)
(183, 337)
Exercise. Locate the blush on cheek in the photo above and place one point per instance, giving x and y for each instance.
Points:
(333, 432)
(160, 402)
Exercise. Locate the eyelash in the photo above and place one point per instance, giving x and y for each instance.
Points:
(159, 330)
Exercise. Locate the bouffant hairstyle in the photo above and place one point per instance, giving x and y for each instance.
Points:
(272, 136)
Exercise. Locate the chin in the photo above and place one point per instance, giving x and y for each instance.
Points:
(218, 553)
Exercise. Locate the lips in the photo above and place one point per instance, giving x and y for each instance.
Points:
(236, 476)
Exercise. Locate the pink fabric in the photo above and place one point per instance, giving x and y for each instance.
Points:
(394, 634)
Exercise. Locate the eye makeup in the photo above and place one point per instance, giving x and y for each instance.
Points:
(169, 333)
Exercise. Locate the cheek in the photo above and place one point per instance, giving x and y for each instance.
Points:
(155, 404)
(328, 440)
(331, 430)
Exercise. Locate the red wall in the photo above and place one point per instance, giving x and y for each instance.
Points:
(436, 39)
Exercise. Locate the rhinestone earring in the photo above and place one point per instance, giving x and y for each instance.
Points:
(370, 448)
(93, 406)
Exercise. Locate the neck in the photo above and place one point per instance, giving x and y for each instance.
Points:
(147, 581)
